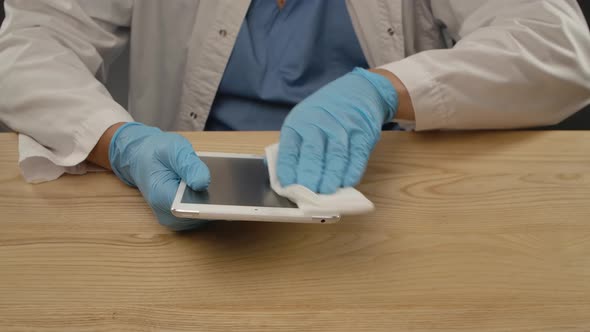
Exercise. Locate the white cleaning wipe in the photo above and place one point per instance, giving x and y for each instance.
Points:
(345, 201)
(38, 165)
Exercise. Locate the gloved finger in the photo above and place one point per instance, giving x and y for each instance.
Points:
(161, 190)
(360, 150)
(160, 199)
(335, 166)
(311, 158)
(288, 156)
(182, 159)
(179, 224)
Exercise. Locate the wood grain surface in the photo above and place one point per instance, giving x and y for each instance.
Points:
(486, 231)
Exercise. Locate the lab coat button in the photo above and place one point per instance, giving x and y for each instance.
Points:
(223, 32)
(390, 31)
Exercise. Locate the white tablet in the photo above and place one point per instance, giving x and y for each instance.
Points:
(239, 190)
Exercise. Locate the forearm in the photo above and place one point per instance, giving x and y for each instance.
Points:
(524, 65)
(50, 57)
(100, 153)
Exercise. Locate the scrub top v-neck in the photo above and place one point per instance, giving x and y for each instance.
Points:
(280, 57)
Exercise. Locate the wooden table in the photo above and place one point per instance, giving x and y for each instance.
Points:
(473, 231)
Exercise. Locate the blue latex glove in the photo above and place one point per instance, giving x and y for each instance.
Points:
(326, 140)
(154, 162)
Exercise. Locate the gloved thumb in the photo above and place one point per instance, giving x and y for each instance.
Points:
(194, 172)
(185, 163)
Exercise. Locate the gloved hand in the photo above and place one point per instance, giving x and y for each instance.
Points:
(326, 140)
(155, 161)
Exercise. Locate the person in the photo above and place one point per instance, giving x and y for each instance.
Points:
(301, 66)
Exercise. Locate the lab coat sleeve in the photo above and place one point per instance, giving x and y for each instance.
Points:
(54, 56)
(515, 64)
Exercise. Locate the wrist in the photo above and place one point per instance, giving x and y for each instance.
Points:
(386, 92)
(124, 146)
(405, 109)
(100, 153)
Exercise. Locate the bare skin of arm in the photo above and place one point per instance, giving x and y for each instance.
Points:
(405, 110)
(100, 153)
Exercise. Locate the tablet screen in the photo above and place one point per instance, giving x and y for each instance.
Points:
(237, 181)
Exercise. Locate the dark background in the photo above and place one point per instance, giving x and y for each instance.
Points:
(580, 120)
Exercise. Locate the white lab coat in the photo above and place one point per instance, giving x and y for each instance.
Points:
(516, 63)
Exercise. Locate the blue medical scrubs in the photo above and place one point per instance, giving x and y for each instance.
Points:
(280, 57)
